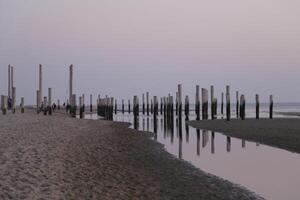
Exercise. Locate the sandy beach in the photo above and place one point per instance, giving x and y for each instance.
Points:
(57, 157)
(280, 132)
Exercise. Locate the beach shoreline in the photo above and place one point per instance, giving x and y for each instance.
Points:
(58, 157)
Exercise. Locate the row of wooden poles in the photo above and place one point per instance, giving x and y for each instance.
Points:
(107, 106)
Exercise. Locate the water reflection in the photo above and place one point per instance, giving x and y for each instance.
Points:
(257, 167)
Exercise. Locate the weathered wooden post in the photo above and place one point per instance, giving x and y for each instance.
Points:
(116, 107)
(155, 112)
(204, 103)
(161, 105)
(187, 107)
(237, 104)
(50, 101)
(70, 83)
(80, 107)
(214, 107)
(83, 102)
(45, 106)
(13, 99)
(38, 103)
(180, 101)
(123, 107)
(271, 107)
(58, 104)
(9, 85)
(129, 106)
(212, 102)
(147, 99)
(22, 104)
(228, 103)
(12, 86)
(111, 113)
(197, 102)
(91, 103)
(74, 106)
(40, 86)
(176, 102)
(151, 106)
(257, 105)
(4, 104)
(222, 103)
(143, 98)
(243, 107)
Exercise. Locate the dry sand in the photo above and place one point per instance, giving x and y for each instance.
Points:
(280, 132)
(57, 157)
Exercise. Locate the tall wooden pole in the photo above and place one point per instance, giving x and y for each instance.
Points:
(9, 83)
(40, 86)
(13, 99)
(257, 105)
(71, 84)
(197, 102)
(271, 107)
(228, 103)
(50, 101)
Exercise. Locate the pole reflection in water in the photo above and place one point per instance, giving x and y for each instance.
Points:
(198, 142)
(243, 143)
(180, 138)
(228, 144)
(212, 142)
(187, 132)
(205, 138)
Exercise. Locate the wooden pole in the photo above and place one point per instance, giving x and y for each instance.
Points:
(13, 100)
(257, 105)
(187, 107)
(45, 106)
(74, 106)
(129, 106)
(116, 107)
(143, 98)
(91, 103)
(58, 104)
(22, 104)
(215, 107)
(4, 104)
(237, 104)
(271, 107)
(243, 107)
(161, 105)
(204, 103)
(222, 103)
(212, 101)
(80, 107)
(70, 83)
(228, 103)
(38, 103)
(9, 83)
(147, 99)
(197, 102)
(83, 102)
(50, 101)
(180, 101)
(123, 107)
(40, 86)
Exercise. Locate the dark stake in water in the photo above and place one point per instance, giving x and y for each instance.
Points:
(270, 172)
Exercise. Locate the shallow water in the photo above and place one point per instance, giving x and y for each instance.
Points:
(270, 172)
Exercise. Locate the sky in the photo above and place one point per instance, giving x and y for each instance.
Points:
(126, 47)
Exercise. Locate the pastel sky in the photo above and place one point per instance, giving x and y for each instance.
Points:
(126, 47)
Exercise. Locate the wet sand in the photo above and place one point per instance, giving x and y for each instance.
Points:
(57, 157)
(280, 132)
